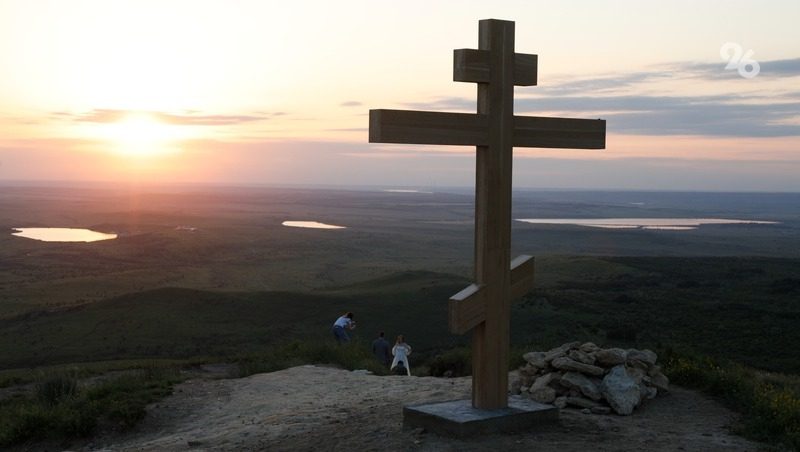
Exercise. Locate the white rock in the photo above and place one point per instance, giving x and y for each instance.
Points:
(637, 373)
(621, 391)
(528, 370)
(647, 356)
(560, 351)
(648, 393)
(581, 357)
(545, 380)
(543, 395)
(654, 370)
(609, 357)
(569, 364)
(601, 410)
(581, 402)
(660, 381)
(535, 359)
(583, 384)
(588, 347)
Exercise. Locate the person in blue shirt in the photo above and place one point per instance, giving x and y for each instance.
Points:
(340, 327)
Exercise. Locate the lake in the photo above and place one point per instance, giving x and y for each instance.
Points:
(62, 234)
(672, 224)
(310, 224)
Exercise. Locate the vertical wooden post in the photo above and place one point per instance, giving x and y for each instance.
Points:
(490, 340)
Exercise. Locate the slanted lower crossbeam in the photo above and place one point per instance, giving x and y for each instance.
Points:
(467, 308)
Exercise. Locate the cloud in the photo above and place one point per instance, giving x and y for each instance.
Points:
(768, 69)
(718, 115)
(605, 83)
(768, 112)
(351, 103)
(741, 116)
(188, 118)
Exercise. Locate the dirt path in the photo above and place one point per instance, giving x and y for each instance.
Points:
(319, 408)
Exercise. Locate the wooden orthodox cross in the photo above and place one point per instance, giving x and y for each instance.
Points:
(484, 307)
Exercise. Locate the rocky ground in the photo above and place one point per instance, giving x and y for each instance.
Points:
(321, 408)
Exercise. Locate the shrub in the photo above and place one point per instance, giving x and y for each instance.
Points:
(770, 404)
(55, 389)
(453, 363)
(60, 409)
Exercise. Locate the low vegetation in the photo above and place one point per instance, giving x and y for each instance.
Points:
(61, 407)
(732, 310)
(769, 403)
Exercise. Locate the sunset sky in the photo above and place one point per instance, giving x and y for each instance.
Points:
(278, 92)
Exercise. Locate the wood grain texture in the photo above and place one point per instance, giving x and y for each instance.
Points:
(490, 340)
(467, 309)
(522, 276)
(472, 65)
(427, 127)
(467, 129)
(541, 132)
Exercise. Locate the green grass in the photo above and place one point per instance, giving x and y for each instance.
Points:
(60, 409)
(769, 403)
(732, 308)
(182, 323)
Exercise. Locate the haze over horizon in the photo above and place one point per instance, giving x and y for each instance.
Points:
(201, 92)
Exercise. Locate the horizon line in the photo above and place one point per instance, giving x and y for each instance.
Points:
(44, 183)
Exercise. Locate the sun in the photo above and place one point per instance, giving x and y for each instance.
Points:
(142, 135)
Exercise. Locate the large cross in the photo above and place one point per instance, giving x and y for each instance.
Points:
(485, 306)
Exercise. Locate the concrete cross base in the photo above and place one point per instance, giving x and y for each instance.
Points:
(457, 418)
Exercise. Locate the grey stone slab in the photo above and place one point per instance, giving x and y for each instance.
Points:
(458, 418)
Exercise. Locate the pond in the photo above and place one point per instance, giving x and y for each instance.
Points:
(62, 234)
(673, 224)
(310, 224)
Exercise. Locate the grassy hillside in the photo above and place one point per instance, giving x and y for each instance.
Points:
(176, 322)
(736, 308)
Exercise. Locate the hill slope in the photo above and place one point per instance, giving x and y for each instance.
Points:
(317, 408)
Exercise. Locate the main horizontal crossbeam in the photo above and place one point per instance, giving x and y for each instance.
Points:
(468, 129)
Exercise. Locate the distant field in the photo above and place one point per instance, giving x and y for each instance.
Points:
(240, 245)
(242, 281)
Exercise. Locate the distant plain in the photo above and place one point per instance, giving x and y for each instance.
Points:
(211, 271)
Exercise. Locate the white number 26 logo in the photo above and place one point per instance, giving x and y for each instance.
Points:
(739, 60)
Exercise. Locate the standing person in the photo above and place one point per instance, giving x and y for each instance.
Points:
(401, 350)
(380, 348)
(340, 326)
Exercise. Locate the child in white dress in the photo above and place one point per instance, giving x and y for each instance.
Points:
(401, 350)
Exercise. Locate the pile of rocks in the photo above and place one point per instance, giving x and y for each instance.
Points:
(596, 379)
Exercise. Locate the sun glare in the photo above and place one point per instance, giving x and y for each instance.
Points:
(142, 135)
